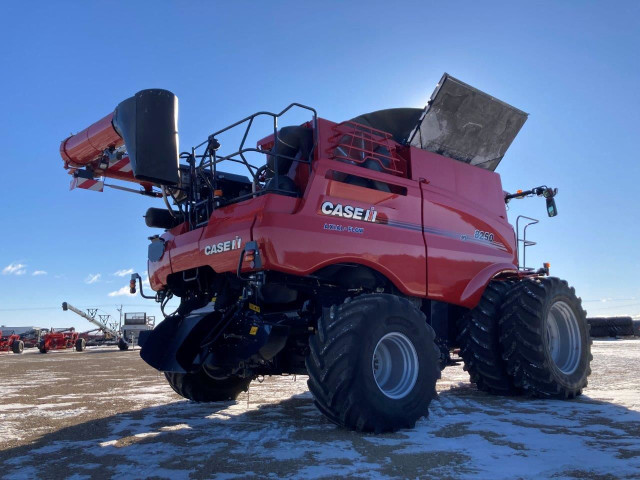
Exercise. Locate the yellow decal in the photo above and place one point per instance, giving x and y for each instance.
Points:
(253, 330)
(255, 308)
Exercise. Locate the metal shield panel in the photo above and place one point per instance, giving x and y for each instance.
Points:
(148, 123)
(465, 124)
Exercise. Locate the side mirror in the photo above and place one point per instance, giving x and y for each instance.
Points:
(552, 210)
(148, 124)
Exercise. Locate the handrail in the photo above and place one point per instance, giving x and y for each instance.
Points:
(525, 243)
(210, 159)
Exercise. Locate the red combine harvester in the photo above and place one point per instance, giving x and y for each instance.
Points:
(11, 342)
(359, 253)
(61, 339)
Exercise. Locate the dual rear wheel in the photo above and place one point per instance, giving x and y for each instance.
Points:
(527, 337)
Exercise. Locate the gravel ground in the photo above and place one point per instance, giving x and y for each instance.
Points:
(105, 414)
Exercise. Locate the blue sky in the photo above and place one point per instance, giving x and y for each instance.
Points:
(574, 66)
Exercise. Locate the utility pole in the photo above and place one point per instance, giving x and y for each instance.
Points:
(120, 311)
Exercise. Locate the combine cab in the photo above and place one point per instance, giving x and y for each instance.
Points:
(11, 342)
(61, 339)
(358, 252)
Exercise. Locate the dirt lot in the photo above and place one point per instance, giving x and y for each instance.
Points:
(105, 414)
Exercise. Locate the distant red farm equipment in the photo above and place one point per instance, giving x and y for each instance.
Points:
(61, 340)
(11, 342)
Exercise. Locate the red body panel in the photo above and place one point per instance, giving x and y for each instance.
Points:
(59, 340)
(459, 199)
(440, 232)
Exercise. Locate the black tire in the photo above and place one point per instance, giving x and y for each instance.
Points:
(611, 326)
(81, 344)
(122, 345)
(341, 363)
(479, 340)
(200, 387)
(599, 331)
(526, 338)
(598, 322)
(17, 346)
(621, 326)
(636, 328)
(42, 348)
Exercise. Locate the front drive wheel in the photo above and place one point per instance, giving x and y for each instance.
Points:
(479, 339)
(373, 364)
(545, 338)
(200, 387)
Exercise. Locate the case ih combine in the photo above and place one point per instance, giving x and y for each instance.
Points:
(358, 253)
(11, 342)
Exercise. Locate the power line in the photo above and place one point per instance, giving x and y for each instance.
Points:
(611, 307)
(607, 300)
(24, 309)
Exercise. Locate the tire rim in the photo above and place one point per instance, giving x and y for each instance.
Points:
(563, 337)
(395, 365)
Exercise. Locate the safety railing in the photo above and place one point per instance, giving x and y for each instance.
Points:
(198, 207)
(365, 146)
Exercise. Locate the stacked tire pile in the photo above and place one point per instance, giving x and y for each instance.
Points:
(613, 327)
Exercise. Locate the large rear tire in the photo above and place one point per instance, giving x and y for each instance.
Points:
(479, 340)
(200, 387)
(373, 364)
(545, 338)
(122, 345)
(81, 344)
(17, 346)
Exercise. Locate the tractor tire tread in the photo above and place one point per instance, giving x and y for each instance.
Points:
(333, 368)
(521, 331)
(479, 340)
(200, 387)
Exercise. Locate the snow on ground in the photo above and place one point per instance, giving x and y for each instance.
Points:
(276, 432)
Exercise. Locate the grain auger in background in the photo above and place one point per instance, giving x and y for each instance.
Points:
(359, 253)
(109, 333)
